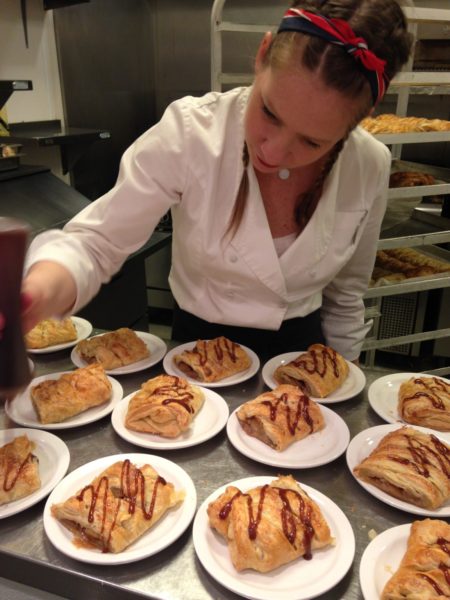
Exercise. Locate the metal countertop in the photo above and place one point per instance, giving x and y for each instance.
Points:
(27, 556)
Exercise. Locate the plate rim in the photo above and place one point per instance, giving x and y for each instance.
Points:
(66, 345)
(232, 428)
(117, 388)
(347, 556)
(62, 454)
(170, 444)
(356, 371)
(246, 375)
(128, 369)
(189, 508)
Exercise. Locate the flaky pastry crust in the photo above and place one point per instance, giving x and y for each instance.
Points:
(19, 470)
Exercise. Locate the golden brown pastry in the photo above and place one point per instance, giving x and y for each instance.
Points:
(410, 179)
(117, 507)
(270, 525)
(114, 349)
(425, 401)
(390, 123)
(319, 371)
(281, 416)
(411, 466)
(418, 259)
(213, 360)
(165, 405)
(19, 470)
(56, 400)
(51, 332)
(424, 573)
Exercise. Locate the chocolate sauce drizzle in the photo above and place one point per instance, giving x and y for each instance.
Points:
(132, 488)
(310, 361)
(220, 346)
(10, 466)
(293, 418)
(181, 395)
(288, 516)
(422, 454)
(433, 388)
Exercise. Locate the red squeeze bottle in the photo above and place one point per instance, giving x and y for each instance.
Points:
(14, 367)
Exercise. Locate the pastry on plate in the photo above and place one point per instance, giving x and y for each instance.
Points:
(165, 405)
(117, 507)
(114, 349)
(50, 332)
(19, 470)
(411, 466)
(281, 416)
(319, 371)
(269, 525)
(425, 401)
(213, 360)
(424, 572)
(56, 400)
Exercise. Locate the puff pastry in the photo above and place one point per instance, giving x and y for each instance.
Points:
(270, 525)
(19, 470)
(50, 332)
(424, 572)
(410, 179)
(280, 417)
(56, 400)
(213, 360)
(165, 405)
(114, 349)
(390, 123)
(117, 507)
(425, 401)
(319, 371)
(411, 466)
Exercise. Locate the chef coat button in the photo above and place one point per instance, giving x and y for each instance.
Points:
(233, 258)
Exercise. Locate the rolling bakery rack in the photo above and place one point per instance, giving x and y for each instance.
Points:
(426, 228)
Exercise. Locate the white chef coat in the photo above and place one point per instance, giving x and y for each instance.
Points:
(191, 162)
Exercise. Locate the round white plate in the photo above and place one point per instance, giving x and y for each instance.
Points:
(298, 580)
(21, 409)
(211, 418)
(363, 444)
(156, 346)
(354, 383)
(383, 394)
(316, 449)
(54, 459)
(171, 369)
(84, 329)
(381, 559)
(162, 534)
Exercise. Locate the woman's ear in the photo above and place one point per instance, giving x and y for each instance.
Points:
(262, 50)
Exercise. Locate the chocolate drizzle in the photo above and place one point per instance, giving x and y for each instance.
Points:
(292, 417)
(434, 388)
(10, 466)
(422, 455)
(310, 361)
(180, 394)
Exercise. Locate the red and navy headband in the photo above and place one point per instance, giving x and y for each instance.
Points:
(339, 32)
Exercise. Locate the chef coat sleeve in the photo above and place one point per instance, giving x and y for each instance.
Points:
(95, 243)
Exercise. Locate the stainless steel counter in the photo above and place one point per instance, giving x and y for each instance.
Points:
(27, 556)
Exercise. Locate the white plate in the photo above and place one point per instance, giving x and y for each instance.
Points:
(171, 369)
(21, 410)
(383, 394)
(381, 559)
(84, 329)
(211, 418)
(54, 458)
(162, 534)
(156, 346)
(354, 383)
(363, 444)
(298, 580)
(316, 449)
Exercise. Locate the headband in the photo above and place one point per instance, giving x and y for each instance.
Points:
(339, 32)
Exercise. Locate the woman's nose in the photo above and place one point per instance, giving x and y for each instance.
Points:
(276, 149)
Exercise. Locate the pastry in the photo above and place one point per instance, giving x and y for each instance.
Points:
(117, 507)
(56, 400)
(319, 371)
(390, 123)
(213, 360)
(270, 525)
(114, 349)
(425, 401)
(410, 179)
(424, 572)
(411, 466)
(281, 416)
(50, 332)
(165, 405)
(19, 470)
(418, 259)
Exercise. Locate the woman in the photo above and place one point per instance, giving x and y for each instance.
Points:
(276, 195)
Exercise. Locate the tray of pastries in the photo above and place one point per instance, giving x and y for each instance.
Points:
(397, 264)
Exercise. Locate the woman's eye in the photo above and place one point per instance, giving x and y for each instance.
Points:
(267, 112)
(312, 144)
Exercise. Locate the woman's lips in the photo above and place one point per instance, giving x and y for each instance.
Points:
(267, 165)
